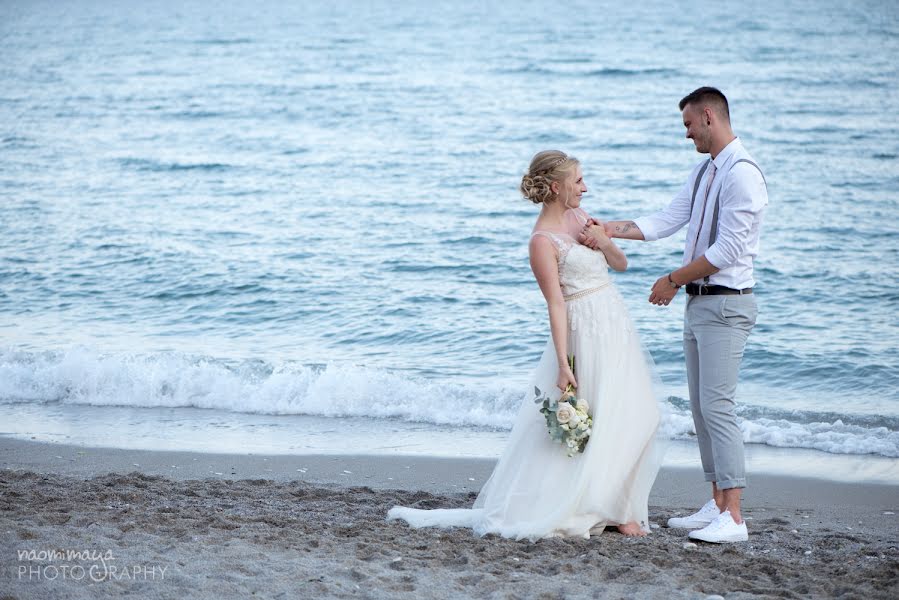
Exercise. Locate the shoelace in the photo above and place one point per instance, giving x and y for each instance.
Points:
(721, 521)
(709, 507)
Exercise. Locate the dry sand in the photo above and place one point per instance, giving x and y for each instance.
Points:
(181, 525)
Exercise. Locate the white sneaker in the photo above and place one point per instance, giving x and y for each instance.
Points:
(721, 530)
(697, 520)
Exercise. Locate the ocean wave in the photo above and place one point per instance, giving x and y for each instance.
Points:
(83, 376)
(611, 72)
(17, 142)
(223, 41)
(836, 437)
(143, 164)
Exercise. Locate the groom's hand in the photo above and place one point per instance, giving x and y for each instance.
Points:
(584, 238)
(662, 292)
(593, 234)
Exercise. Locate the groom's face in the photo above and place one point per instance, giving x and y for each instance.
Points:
(698, 128)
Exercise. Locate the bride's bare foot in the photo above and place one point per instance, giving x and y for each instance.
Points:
(631, 529)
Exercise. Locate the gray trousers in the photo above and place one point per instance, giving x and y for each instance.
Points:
(715, 333)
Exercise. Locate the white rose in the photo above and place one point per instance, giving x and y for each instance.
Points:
(564, 412)
(575, 420)
(582, 405)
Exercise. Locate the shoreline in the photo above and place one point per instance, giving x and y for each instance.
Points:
(433, 474)
(213, 431)
(183, 524)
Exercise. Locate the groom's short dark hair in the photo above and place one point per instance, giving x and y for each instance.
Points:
(707, 96)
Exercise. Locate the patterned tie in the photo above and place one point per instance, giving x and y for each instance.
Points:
(708, 188)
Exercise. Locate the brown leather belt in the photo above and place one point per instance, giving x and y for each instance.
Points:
(714, 290)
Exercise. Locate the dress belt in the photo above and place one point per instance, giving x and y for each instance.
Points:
(583, 293)
(714, 290)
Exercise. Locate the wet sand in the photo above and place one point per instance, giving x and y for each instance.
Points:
(177, 524)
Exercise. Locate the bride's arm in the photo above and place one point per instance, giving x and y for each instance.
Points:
(545, 266)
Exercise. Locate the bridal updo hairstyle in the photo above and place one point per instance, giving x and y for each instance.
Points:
(546, 167)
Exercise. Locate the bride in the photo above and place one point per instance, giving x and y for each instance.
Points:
(537, 490)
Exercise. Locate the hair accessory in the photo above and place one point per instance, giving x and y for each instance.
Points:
(555, 164)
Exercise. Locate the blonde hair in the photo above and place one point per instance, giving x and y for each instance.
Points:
(546, 167)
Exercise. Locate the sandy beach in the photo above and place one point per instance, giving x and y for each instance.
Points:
(80, 522)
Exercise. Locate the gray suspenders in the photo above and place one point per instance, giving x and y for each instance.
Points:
(696, 183)
(713, 234)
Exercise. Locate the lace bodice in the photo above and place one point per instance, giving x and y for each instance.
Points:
(580, 268)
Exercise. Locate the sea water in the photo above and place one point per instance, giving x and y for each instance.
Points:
(279, 210)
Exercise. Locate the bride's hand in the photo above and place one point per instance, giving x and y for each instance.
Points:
(584, 236)
(594, 235)
(566, 377)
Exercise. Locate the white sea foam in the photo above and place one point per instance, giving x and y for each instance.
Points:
(171, 380)
(836, 437)
(82, 376)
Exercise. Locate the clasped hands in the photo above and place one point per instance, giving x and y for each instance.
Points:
(597, 235)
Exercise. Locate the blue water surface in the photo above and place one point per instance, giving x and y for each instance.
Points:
(271, 188)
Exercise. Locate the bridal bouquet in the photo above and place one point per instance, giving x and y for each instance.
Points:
(567, 418)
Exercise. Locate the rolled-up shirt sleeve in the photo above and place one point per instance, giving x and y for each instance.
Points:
(742, 203)
(670, 219)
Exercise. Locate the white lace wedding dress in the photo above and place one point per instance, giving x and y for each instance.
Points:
(536, 490)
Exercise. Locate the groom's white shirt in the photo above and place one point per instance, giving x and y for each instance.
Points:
(743, 199)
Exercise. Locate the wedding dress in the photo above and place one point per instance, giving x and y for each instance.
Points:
(536, 490)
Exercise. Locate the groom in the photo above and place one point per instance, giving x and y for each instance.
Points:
(722, 203)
